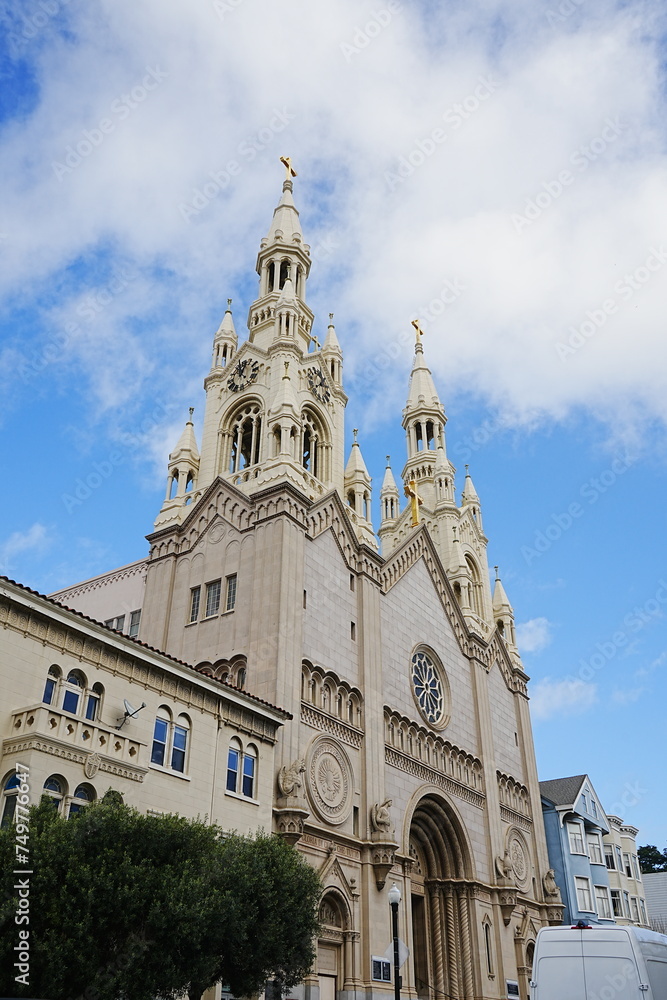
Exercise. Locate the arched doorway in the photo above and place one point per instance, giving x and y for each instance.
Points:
(440, 896)
(330, 957)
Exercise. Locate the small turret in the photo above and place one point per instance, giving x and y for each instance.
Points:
(503, 615)
(470, 499)
(332, 355)
(183, 472)
(357, 485)
(225, 342)
(424, 422)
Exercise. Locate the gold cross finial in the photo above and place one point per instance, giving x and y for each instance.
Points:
(315, 341)
(229, 305)
(418, 330)
(290, 172)
(415, 501)
(355, 431)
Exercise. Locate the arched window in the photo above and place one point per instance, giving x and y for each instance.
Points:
(241, 769)
(313, 446)
(249, 765)
(174, 485)
(284, 272)
(272, 276)
(51, 683)
(477, 602)
(74, 688)
(171, 740)
(93, 702)
(55, 789)
(180, 743)
(9, 795)
(83, 795)
(246, 432)
(161, 737)
(233, 764)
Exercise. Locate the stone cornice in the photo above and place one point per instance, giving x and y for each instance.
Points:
(46, 744)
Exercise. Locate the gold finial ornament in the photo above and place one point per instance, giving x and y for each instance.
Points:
(192, 410)
(415, 501)
(419, 333)
(290, 172)
(315, 341)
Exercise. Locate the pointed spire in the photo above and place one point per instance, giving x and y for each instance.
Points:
(187, 443)
(389, 483)
(422, 391)
(355, 463)
(227, 325)
(469, 494)
(285, 225)
(501, 604)
(331, 341)
(287, 296)
(286, 397)
(458, 563)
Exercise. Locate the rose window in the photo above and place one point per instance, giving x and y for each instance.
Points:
(428, 688)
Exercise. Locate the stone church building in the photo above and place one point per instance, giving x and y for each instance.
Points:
(403, 752)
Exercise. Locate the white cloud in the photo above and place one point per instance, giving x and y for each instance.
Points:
(34, 539)
(349, 122)
(533, 635)
(567, 697)
(628, 696)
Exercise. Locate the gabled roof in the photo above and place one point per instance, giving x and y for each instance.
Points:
(563, 791)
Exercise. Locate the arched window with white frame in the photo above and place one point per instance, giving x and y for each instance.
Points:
(84, 794)
(241, 769)
(74, 687)
(51, 685)
(245, 430)
(10, 790)
(55, 790)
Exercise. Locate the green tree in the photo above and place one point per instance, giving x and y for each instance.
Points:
(154, 906)
(651, 859)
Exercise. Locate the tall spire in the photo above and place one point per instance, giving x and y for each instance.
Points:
(283, 257)
(424, 422)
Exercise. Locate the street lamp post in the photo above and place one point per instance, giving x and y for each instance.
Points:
(394, 900)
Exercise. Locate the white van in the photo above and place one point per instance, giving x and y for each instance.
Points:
(599, 963)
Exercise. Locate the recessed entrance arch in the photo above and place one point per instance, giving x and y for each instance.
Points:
(441, 891)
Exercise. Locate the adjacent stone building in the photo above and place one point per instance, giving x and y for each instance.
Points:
(405, 752)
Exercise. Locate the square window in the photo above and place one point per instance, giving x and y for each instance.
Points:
(576, 837)
(584, 898)
(609, 857)
(230, 600)
(616, 902)
(91, 707)
(135, 618)
(602, 901)
(626, 865)
(619, 858)
(594, 848)
(635, 909)
(120, 623)
(626, 904)
(71, 701)
(195, 599)
(212, 598)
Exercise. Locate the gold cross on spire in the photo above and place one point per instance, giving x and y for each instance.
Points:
(419, 333)
(290, 172)
(415, 501)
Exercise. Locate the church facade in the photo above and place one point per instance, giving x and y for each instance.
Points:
(405, 753)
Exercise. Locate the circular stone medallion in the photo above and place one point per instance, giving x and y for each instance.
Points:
(330, 780)
(519, 857)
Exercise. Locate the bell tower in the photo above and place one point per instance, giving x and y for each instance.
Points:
(275, 401)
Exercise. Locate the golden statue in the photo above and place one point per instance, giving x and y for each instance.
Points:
(290, 172)
(415, 501)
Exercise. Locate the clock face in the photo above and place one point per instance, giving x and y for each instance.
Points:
(244, 372)
(319, 385)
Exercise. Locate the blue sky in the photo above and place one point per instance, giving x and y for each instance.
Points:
(497, 169)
